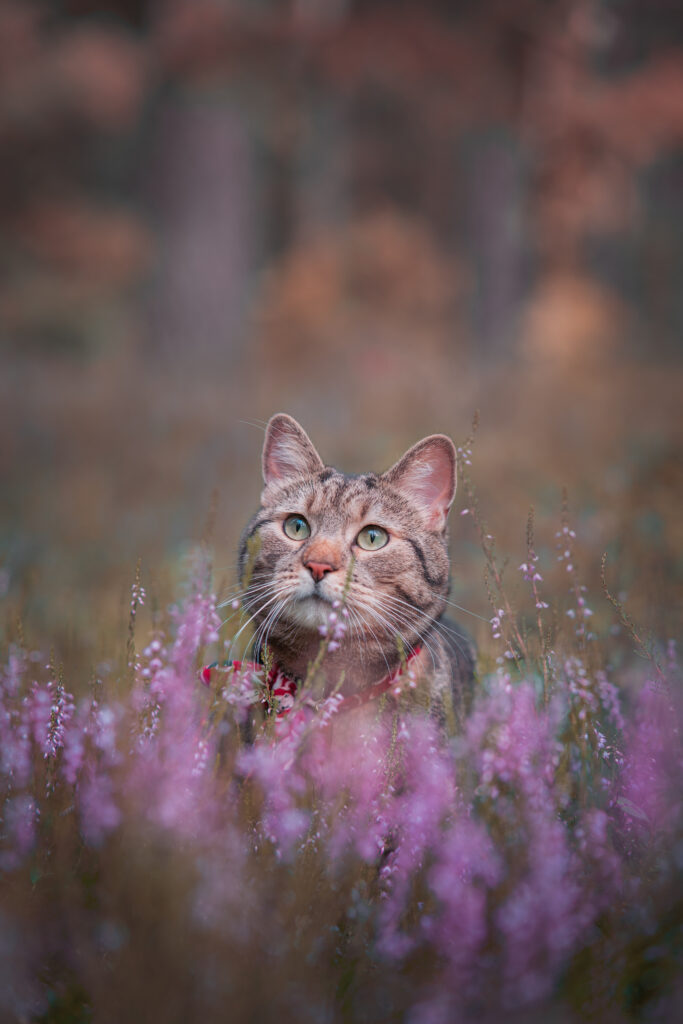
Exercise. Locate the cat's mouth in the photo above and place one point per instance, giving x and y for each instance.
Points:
(310, 610)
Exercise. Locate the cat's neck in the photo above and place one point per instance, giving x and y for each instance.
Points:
(344, 668)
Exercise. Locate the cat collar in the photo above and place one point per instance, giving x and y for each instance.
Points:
(283, 688)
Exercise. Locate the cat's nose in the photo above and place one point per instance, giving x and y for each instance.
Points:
(319, 569)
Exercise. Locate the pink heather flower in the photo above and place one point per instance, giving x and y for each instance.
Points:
(12, 676)
(61, 712)
(467, 868)
(37, 713)
(99, 812)
(650, 790)
(484, 866)
(18, 827)
(609, 697)
(74, 747)
(15, 744)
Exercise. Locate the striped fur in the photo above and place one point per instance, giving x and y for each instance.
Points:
(395, 596)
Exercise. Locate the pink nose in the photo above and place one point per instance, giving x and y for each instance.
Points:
(318, 569)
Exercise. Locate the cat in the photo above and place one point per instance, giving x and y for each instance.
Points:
(372, 547)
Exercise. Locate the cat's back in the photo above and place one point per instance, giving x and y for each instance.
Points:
(454, 673)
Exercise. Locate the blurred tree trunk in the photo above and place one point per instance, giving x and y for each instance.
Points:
(200, 183)
(495, 240)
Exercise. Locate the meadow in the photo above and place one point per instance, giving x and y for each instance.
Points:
(347, 865)
(377, 217)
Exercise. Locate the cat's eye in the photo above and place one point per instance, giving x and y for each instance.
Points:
(372, 538)
(296, 528)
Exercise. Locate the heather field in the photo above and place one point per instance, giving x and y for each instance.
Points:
(388, 219)
(162, 861)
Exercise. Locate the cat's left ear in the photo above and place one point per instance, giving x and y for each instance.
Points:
(427, 476)
(288, 451)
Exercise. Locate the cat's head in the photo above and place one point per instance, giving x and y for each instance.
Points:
(378, 541)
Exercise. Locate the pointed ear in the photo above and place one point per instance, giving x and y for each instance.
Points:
(426, 475)
(287, 451)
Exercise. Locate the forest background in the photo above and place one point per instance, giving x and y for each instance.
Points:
(376, 216)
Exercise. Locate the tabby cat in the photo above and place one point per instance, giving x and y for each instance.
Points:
(377, 544)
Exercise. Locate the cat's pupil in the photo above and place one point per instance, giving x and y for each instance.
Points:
(296, 527)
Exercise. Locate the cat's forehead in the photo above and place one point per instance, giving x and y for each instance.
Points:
(340, 497)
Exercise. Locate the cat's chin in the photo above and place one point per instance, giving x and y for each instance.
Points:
(309, 612)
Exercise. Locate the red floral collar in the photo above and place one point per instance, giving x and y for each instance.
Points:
(283, 688)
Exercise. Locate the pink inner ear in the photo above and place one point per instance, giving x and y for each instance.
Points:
(430, 482)
(288, 451)
(427, 475)
(284, 458)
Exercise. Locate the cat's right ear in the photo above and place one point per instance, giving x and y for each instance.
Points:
(288, 451)
(427, 475)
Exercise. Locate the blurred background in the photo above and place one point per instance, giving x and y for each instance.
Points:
(376, 215)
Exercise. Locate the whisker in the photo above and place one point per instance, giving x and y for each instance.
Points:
(447, 634)
(237, 592)
(435, 622)
(391, 621)
(255, 585)
(460, 608)
(244, 606)
(256, 423)
(259, 611)
(261, 638)
(367, 626)
(394, 612)
(355, 622)
(392, 628)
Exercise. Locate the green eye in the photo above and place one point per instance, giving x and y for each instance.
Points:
(372, 538)
(296, 528)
